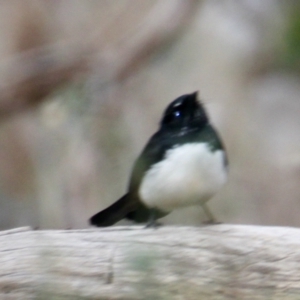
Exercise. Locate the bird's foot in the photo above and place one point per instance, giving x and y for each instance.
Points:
(152, 221)
(153, 224)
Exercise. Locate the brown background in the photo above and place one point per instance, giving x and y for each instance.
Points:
(83, 85)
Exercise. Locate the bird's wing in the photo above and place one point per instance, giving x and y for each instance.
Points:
(153, 152)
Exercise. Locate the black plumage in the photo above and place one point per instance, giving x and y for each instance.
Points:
(184, 121)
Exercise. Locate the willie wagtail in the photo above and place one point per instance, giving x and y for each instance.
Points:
(184, 163)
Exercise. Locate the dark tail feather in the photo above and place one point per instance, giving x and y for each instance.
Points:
(113, 213)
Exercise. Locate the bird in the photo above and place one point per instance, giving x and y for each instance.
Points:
(183, 164)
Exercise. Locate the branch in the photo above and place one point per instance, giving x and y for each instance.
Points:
(210, 262)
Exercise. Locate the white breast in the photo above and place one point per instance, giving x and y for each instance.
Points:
(189, 174)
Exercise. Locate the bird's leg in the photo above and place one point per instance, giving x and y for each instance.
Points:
(211, 218)
(152, 220)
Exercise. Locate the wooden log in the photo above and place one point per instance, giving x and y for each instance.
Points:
(209, 262)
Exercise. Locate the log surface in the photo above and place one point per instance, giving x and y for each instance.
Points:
(209, 262)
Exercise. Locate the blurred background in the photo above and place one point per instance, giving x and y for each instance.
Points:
(83, 85)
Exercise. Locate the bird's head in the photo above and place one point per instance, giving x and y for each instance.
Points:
(184, 112)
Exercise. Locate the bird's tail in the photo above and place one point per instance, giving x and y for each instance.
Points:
(113, 213)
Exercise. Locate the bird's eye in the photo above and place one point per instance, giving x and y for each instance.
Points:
(176, 114)
(172, 117)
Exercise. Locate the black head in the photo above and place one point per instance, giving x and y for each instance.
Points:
(184, 112)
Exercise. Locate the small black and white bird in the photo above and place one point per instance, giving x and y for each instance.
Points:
(184, 163)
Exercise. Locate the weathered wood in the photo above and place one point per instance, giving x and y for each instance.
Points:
(209, 262)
